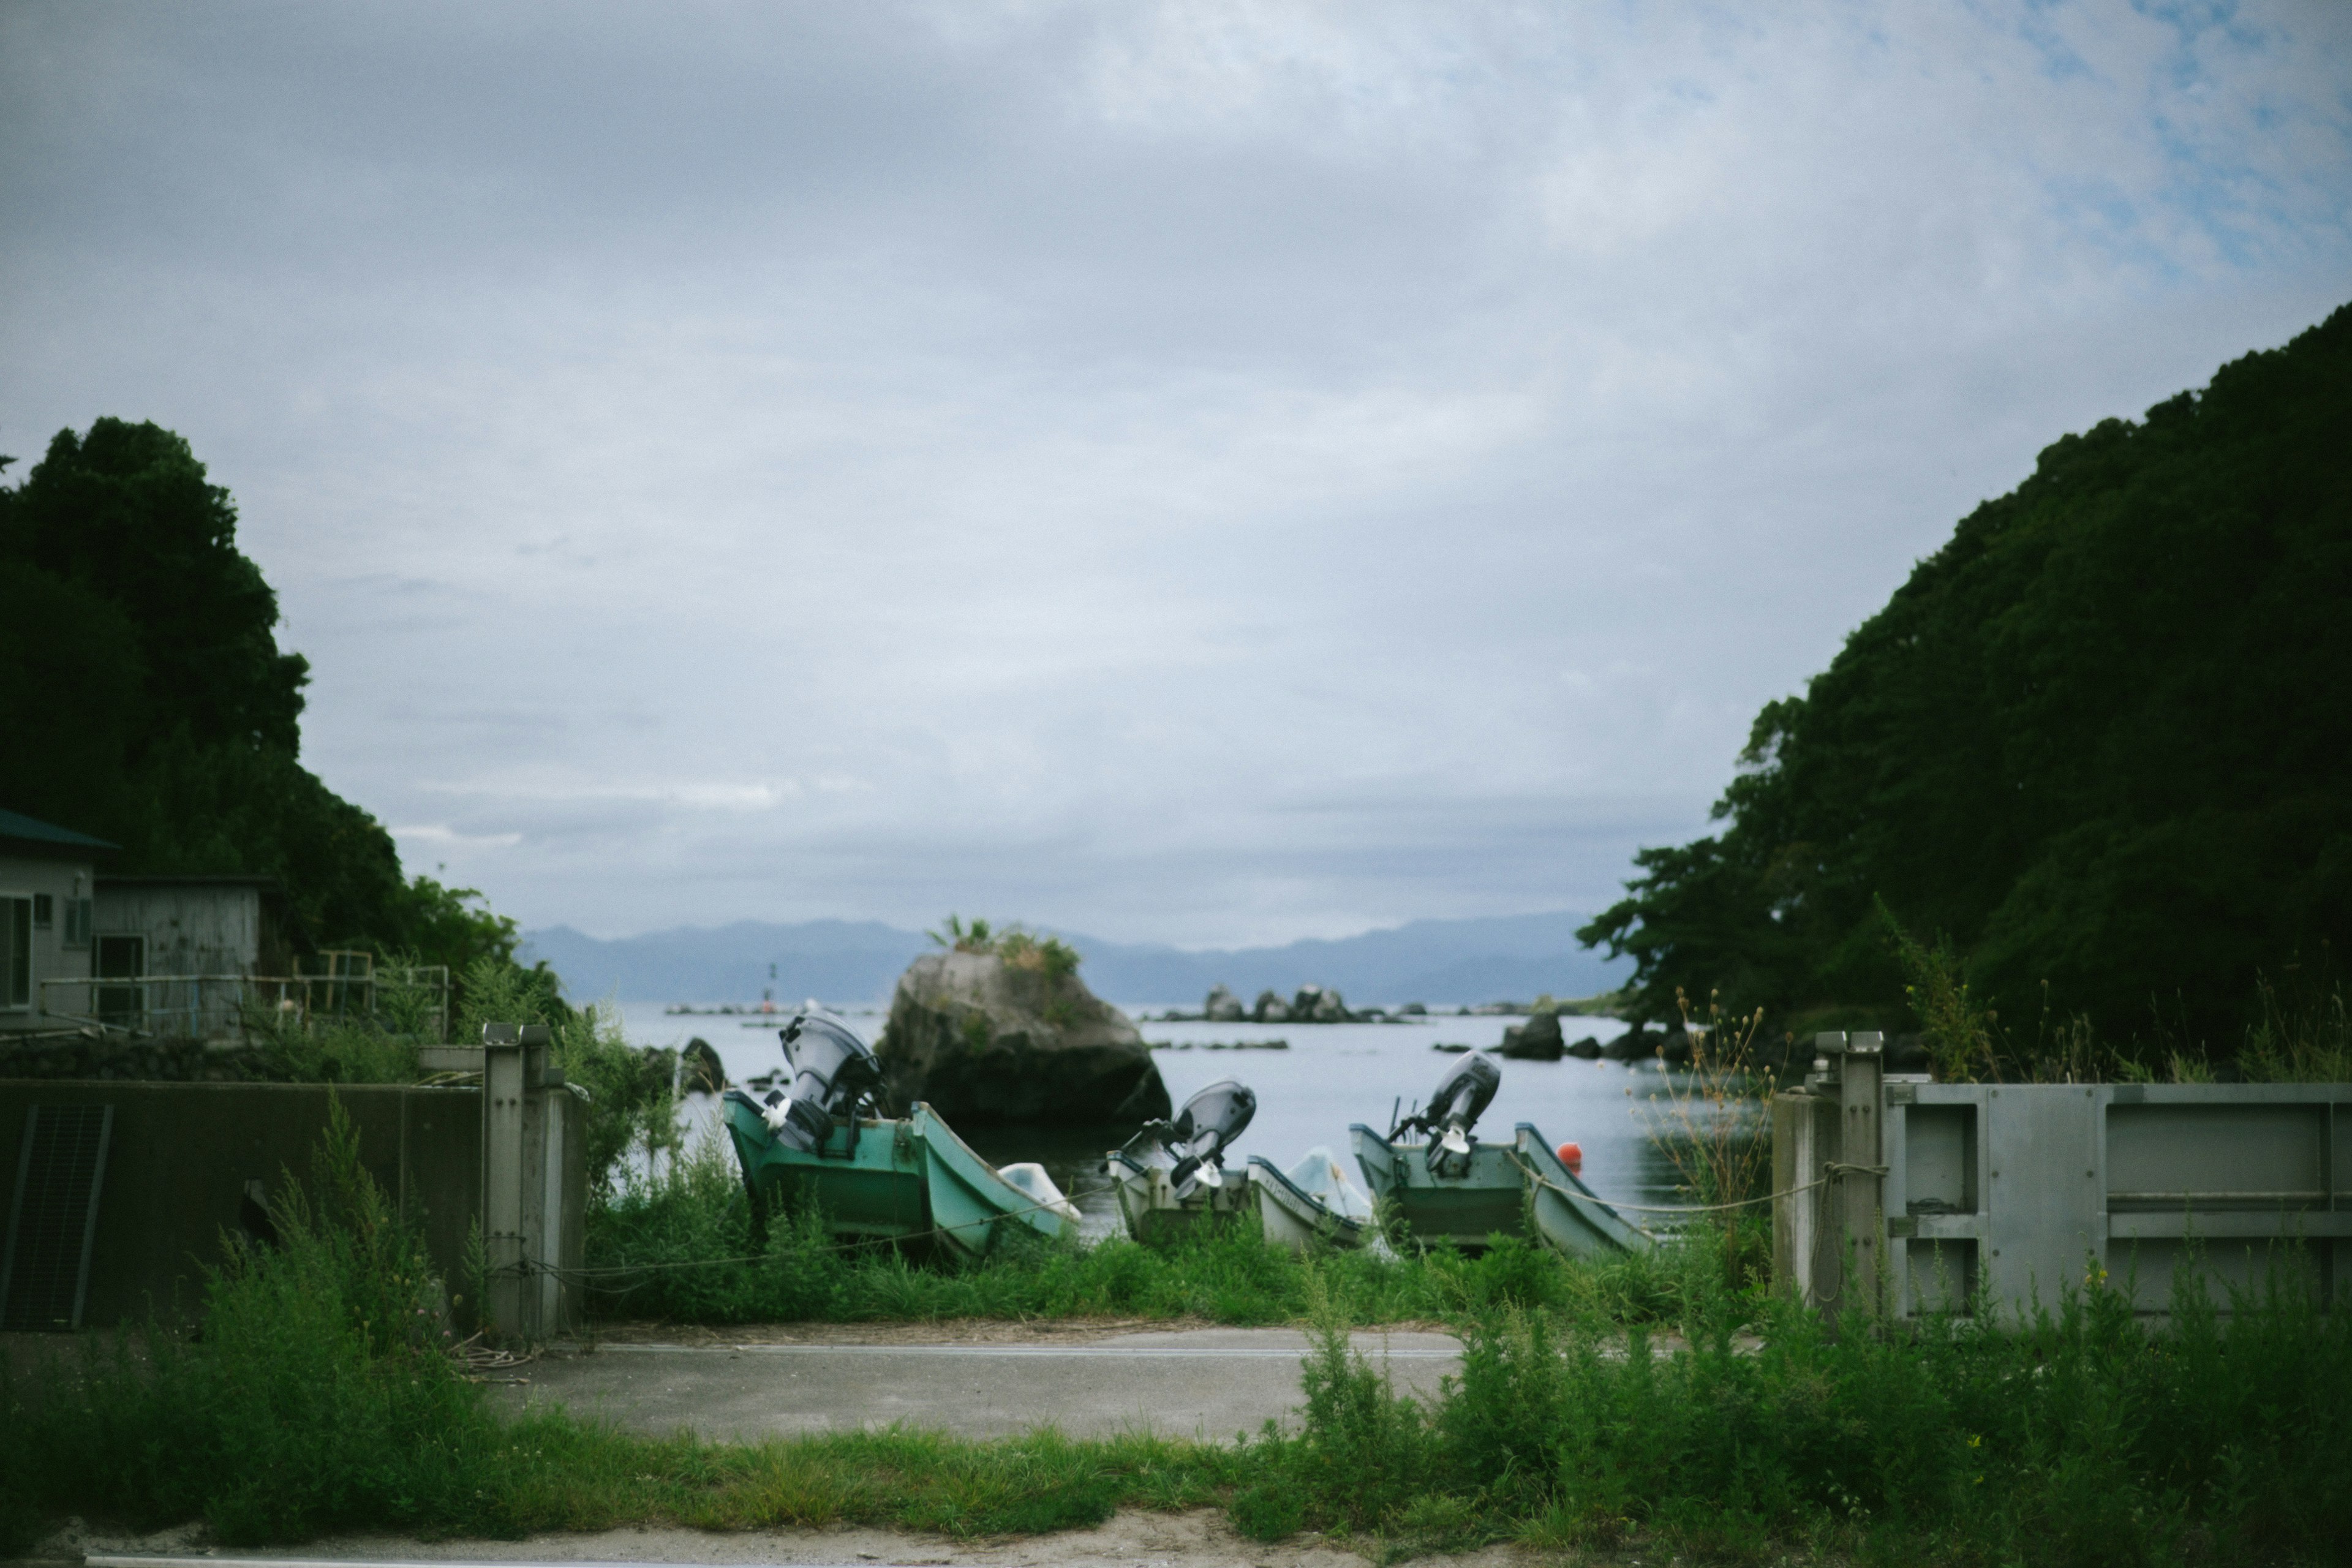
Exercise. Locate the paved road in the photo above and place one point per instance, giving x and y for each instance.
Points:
(1207, 1383)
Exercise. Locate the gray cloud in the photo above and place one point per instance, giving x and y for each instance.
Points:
(1204, 473)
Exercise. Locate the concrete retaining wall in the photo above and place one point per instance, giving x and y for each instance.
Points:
(184, 1162)
(1904, 1197)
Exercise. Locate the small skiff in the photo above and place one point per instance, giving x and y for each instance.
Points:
(1312, 1203)
(1442, 1186)
(1488, 1198)
(1567, 1214)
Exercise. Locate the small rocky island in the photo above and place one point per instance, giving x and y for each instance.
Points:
(1000, 1028)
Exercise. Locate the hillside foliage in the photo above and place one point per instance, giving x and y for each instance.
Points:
(147, 702)
(2099, 740)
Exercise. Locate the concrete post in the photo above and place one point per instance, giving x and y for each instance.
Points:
(514, 1187)
(1860, 1187)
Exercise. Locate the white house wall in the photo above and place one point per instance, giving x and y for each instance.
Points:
(23, 875)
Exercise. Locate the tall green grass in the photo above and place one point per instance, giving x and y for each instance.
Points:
(318, 1396)
(2079, 1438)
(679, 1247)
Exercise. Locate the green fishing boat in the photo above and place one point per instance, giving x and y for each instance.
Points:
(1442, 1186)
(1486, 1197)
(875, 1178)
(1569, 1217)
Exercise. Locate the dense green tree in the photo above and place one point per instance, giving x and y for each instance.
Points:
(2099, 740)
(147, 701)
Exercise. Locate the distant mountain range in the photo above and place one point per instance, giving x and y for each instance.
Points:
(1436, 962)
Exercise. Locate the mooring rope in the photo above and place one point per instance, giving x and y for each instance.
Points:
(1829, 1170)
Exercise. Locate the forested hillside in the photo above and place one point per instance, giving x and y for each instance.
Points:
(146, 699)
(2100, 739)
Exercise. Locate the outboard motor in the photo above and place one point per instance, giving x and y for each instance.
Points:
(1193, 1147)
(1207, 1127)
(1462, 1097)
(833, 1070)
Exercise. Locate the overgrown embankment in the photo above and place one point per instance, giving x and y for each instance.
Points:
(320, 1396)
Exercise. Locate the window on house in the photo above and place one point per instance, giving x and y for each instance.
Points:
(77, 922)
(44, 912)
(15, 951)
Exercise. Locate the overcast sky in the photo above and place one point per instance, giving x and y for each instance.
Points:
(1192, 472)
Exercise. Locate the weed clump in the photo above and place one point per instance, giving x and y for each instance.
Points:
(2078, 1436)
(320, 1394)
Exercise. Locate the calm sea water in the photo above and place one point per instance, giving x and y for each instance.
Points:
(1331, 1075)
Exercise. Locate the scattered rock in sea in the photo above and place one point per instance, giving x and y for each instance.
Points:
(1449, 1048)
(1536, 1040)
(1270, 1008)
(1587, 1049)
(1223, 1007)
(1636, 1044)
(1319, 1005)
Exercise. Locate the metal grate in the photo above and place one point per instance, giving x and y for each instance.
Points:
(51, 1223)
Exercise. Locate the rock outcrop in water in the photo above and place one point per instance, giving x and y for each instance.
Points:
(1223, 1007)
(1536, 1040)
(988, 1040)
(699, 1070)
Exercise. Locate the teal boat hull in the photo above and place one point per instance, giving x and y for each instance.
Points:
(973, 1208)
(909, 1180)
(1569, 1217)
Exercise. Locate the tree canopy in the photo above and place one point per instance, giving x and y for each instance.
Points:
(146, 701)
(2100, 740)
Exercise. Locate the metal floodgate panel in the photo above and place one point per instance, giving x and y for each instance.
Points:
(45, 1271)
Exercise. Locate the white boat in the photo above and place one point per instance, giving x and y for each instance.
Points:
(1312, 1202)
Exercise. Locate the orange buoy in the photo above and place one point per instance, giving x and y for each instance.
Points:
(1572, 1156)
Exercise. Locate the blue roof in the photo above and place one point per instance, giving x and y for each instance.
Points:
(32, 830)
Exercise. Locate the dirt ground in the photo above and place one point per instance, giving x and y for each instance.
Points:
(945, 1331)
(1199, 1538)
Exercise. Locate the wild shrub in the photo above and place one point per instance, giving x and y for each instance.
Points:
(632, 1095)
(1362, 1457)
(319, 1395)
(2299, 1039)
(2078, 1436)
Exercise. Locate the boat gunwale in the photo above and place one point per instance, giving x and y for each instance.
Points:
(1351, 1229)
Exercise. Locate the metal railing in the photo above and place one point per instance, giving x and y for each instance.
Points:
(218, 1006)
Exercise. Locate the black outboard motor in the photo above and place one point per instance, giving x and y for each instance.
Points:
(833, 1070)
(1462, 1097)
(1207, 1127)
